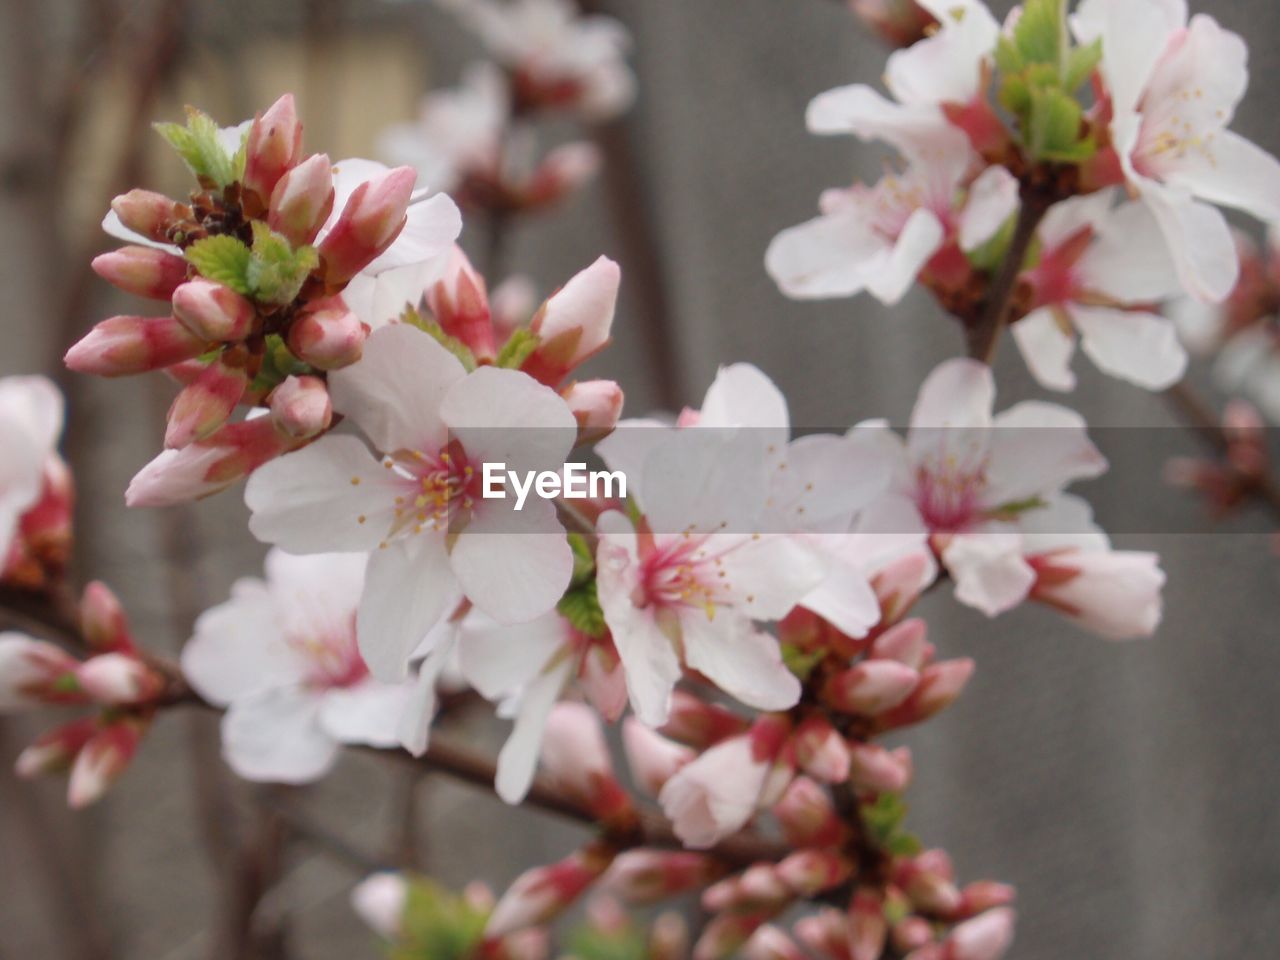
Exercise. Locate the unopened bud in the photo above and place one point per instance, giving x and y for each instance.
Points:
(985, 895)
(820, 750)
(302, 201)
(899, 23)
(301, 407)
(879, 770)
(871, 687)
(899, 585)
(146, 212)
(103, 621)
(562, 171)
(927, 882)
(700, 724)
(55, 751)
(328, 335)
(807, 816)
(940, 685)
(596, 405)
(212, 311)
(868, 928)
(809, 872)
(985, 937)
(727, 932)
(144, 271)
(103, 761)
(206, 405)
(274, 144)
(574, 324)
(120, 346)
(904, 642)
(669, 937)
(540, 894)
(771, 943)
(826, 933)
(575, 759)
(369, 223)
(118, 679)
(646, 876)
(653, 758)
(33, 672)
(911, 933)
(460, 304)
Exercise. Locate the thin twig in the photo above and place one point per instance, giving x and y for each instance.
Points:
(984, 336)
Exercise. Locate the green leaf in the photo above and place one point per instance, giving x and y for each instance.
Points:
(1012, 509)
(277, 271)
(1054, 125)
(589, 943)
(1081, 62)
(223, 259)
(278, 364)
(197, 144)
(581, 607)
(517, 349)
(1008, 56)
(428, 324)
(438, 924)
(883, 817)
(1041, 32)
(990, 255)
(584, 564)
(801, 662)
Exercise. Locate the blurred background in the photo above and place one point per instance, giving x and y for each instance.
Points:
(1129, 791)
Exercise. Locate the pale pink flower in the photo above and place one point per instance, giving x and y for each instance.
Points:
(30, 426)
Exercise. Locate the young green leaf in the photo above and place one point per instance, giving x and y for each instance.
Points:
(198, 145)
(223, 259)
(276, 270)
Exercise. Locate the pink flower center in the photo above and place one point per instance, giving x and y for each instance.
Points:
(949, 493)
(682, 573)
(332, 655)
(444, 489)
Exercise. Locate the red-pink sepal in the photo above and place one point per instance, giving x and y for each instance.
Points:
(653, 758)
(878, 770)
(273, 147)
(327, 335)
(212, 311)
(120, 346)
(143, 271)
(41, 548)
(202, 407)
(118, 679)
(148, 213)
(701, 724)
(543, 893)
(870, 688)
(102, 620)
(56, 750)
(985, 937)
(940, 684)
(103, 760)
(369, 223)
(302, 200)
(646, 876)
(868, 927)
(301, 407)
(596, 405)
(459, 301)
(899, 585)
(807, 816)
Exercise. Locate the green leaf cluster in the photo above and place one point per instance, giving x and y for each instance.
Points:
(581, 607)
(197, 144)
(883, 818)
(277, 270)
(517, 349)
(438, 925)
(589, 943)
(428, 324)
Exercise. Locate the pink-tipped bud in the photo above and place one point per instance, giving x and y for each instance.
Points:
(204, 406)
(380, 902)
(727, 932)
(103, 621)
(820, 750)
(985, 937)
(868, 928)
(808, 872)
(940, 685)
(120, 346)
(302, 201)
(212, 311)
(984, 895)
(301, 407)
(459, 302)
(871, 688)
(274, 144)
(899, 585)
(646, 876)
(148, 213)
(807, 816)
(596, 405)
(757, 886)
(669, 937)
(574, 324)
(41, 546)
(55, 751)
(328, 335)
(575, 759)
(118, 679)
(899, 23)
(826, 933)
(927, 882)
(143, 271)
(771, 943)
(879, 770)
(653, 758)
(701, 724)
(33, 672)
(103, 761)
(905, 642)
(930, 951)
(540, 894)
(911, 933)
(368, 224)
(562, 171)
(207, 466)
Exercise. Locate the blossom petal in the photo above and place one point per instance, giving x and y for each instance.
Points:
(1231, 171)
(1130, 259)
(408, 588)
(826, 257)
(959, 393)
(431, 226)
(992, 200)
(1038, 448)
(744, 662)
(989, 571)
(1203, 249)
(505, 416)
(518, 759)
(498, 660)
(368, 713)
(1047, 348)
(920, 239)
(1133, 345)
(275, 737)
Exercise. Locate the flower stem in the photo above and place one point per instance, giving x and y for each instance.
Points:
(983, 336)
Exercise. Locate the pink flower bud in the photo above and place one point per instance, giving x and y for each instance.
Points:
(868, 928)
(574, 324)
(102, 620)
(207, 466)
(985, 895)
(1114, 593)
(204, 406)
(41, 546)
(148, 213)
(871, 688)
(898, 585)
(808, 872)
(575, 759)
(807, 816)
(899, 23)
(646, 876)
(302, 201)
(904, 642)
(930, 951)
(726, 933)
(274, 144)
(940, 685)
(143, 271)
(55, 751)
(118, 679)
(301, 407)
(757, 886)
(911, 933)
(771, 943)
(700, 724)
(369, 223)
(596, 405)
(212, 311)
(120, 346)
(103, 761)
(562, 171)
(653, 758)
(328, 335)
(532, 943)
(826, 933)
(540, 894)
(985, 937)
(669, 937)
(820, 750)
(879, 770)
(460, 304)
(33, 672)
(380, 901)
(926, 880)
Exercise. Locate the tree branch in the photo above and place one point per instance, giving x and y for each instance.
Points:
(983, 337)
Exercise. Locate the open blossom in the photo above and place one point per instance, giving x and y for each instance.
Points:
(989, 489)
(1096, 266)
(282, 657)
(32, 475)
(418, 506)
(1172, 88)
(556, 56)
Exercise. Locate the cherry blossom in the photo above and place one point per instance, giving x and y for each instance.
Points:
(1096, 265)
(1173, 87)
(418, 507)
(281, 656)
(30, 426)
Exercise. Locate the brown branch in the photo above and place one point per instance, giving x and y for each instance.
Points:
(983, 337)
